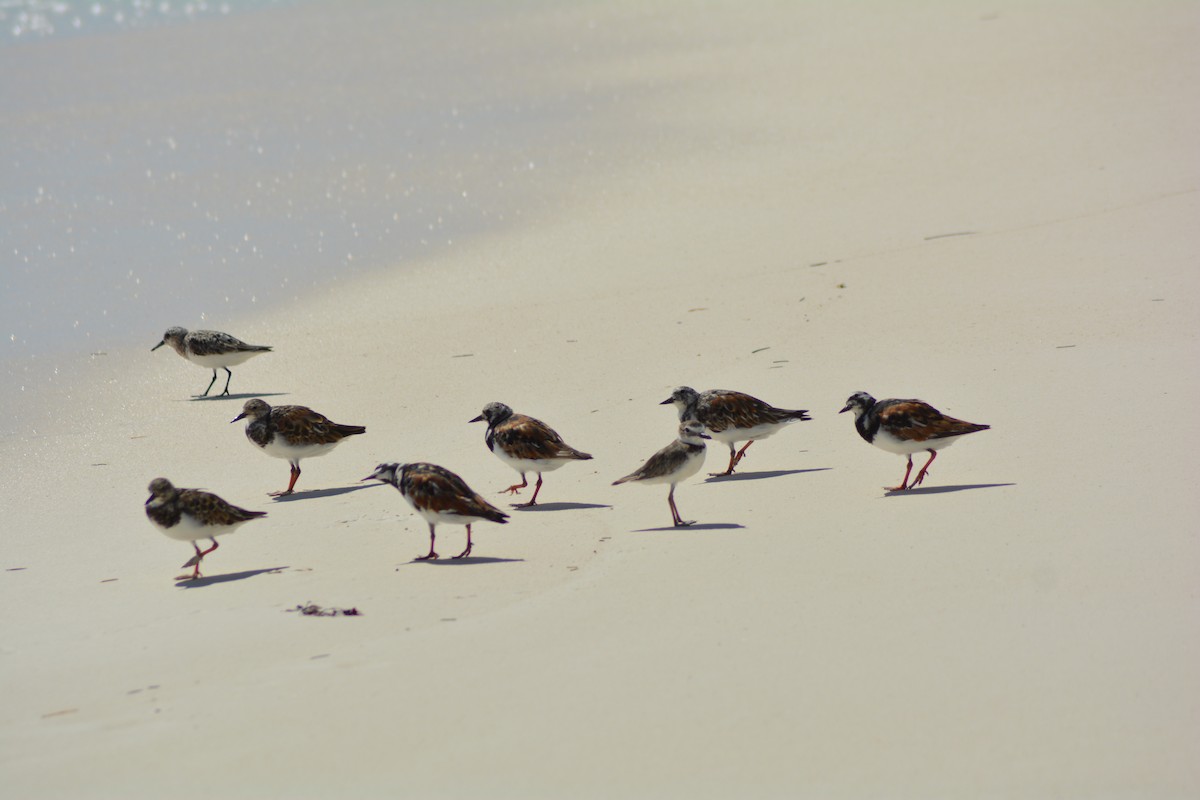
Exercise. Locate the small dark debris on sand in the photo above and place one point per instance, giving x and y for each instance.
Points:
(314, 610)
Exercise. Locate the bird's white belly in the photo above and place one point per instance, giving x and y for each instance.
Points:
(445, 517)
(732, 435)
(217, 360)
(523, 465)
(885, 441)
(188, 529)
(686, 470)
(279, 448)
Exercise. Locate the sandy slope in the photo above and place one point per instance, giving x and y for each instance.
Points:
(1023, 626)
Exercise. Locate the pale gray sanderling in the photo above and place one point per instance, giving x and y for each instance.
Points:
(211, 349)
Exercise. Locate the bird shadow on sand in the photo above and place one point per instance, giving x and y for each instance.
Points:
(699, 526)
(758, 476)
(336, 490)
(558, 506)
(455, 562)
(962, 487)
(209, 580)
(200, 398)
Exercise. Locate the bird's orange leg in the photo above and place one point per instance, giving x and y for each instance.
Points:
(904, 483)
(431, 555)
(291, 483)
(733, 458)
(533, 500)
(738, 458)
(466, 552)
(921, 475)
(516, 487)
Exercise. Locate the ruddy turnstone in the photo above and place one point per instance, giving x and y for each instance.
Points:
(525, 444)
(292, 432)
(906, 427)
(676, 462)
(192, 514)
(732, 417)
(440, 496)
(211, 349)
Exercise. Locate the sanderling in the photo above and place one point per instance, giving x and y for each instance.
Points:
(211, 349)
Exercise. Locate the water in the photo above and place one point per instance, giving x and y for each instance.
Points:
(37, 19)
(188, 163)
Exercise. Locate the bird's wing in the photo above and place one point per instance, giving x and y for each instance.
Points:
(917, 421)
(528, 438)
(435, 488)
(301, 425)
(212, 510)
(211, 343)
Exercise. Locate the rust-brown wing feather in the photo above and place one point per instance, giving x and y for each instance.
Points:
(915, 420)
(300, 426)
(528, 438)
(435, 488)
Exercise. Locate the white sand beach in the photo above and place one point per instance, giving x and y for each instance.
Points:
(989, 207)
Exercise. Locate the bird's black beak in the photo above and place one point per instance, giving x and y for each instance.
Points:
(477, 419)
(238, 417)
(160, 344)
(148, 499)
(844, 410)
(666, 402)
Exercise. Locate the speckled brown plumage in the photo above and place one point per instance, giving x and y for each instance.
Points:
(722, 409)
(917, 421)
(297, 425)
(205, 507)
(528, 438)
